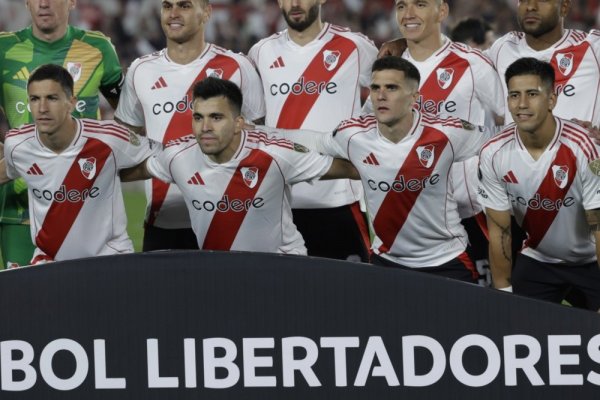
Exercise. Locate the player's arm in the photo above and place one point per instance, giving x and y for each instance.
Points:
(341, 169)
(593, 220)
(393, 47)
(140, 130)
(138, 173)
(3, 174)
(500, 253)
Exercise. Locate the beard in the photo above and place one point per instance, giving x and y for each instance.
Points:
(300, 26)
(541, 29)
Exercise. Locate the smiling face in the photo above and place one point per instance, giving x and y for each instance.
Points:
(530, 102)
(184, 20)
(217, 127)
(420, 20)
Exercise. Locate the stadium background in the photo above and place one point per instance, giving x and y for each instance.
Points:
(134, 27)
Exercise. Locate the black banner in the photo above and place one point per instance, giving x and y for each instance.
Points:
(210, 325)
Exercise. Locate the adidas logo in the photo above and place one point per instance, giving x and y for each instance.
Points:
(35, 170)
(278, 63)
(22, 75)
(510, 178)
(371, 160)
(196, 179)
(159, 84)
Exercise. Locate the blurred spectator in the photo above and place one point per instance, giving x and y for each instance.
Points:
(473, 32)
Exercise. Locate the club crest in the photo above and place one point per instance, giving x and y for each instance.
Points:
(74, 69)
(564, 63)
(561, 175)
(88, 167)
(444, 77)
(426, 155)
(330, 59)
(214, 73)
(250, 176)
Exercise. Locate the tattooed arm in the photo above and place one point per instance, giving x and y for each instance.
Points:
(593, 220)
(500, 247)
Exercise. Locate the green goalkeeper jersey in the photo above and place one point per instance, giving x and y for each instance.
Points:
(88, 56)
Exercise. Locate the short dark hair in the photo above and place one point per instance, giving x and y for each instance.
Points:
(54, 73)
(470, 29)
(214, 87)
(398, 64)
(531, 66)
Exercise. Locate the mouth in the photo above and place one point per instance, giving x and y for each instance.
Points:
(524, 116)
(530, 19)
(411, 26)
(175, 25)
(296, 14)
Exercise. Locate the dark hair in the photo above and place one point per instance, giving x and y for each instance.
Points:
(398, 64)
(470, 29)
(54, 73)
(214, 87)
(531, 66)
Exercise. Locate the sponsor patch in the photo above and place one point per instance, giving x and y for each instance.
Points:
(300, 148)
(134, 139)
(595, 167)
(467, 125)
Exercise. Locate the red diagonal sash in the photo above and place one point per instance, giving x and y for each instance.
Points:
(537, 220)
(432, 87)
(181, 125)
(298, 105)
(571, 60)
(396, 206)
(225, 226)
(62, 214)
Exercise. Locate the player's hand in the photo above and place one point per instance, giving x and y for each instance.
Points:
(392, 48)
(248, 126)
(594, 131)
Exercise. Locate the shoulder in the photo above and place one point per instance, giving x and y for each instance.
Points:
(268, 41)
(474, 57)
(109, 132)
(498, 142)
(576, 36)
(356, 37)
(179, 143)
(94, 38)
(8, 39)
(446, 122)
(270, 143)
(16, 135)
(353, 125)
(148, 58)
(577, 138)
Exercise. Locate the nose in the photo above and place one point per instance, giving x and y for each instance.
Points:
(531, 4)
(43, 105)
(44, 3)
(409, 11)
(206, 125)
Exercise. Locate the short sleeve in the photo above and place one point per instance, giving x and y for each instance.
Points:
(130, 109)
(491, 192)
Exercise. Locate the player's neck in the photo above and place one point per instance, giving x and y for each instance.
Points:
(423, 49)
(62, 138)
(307, 35)
(546, 40)
(186, 52)
(227, 153)
(49, 37)
(536, 142)
(398, 130)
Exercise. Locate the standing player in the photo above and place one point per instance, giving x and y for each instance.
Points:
(404, 158)
(93, 63)
(71, 167)
(573, 54)
(474, 32)
(157, 95)
(544, 171)
(312, 73)
(235, 182)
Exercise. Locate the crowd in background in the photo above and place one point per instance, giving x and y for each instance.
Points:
(134, 25)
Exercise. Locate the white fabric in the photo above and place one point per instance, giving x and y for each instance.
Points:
(282, 63)
(267, 225)
(512, 180)
(100, 226)
(156, 91)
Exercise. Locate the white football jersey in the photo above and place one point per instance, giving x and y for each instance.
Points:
(241, 204)
(547, 197)
(75, 198)
(314, 87)
(405, 183)
(577, 70)
(157, 94)
(459, 81)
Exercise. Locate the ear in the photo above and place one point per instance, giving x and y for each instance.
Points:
(240, 122)
(552, 100)
(207, 13)
(72, 4)
(444, 11)
(565, 7)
